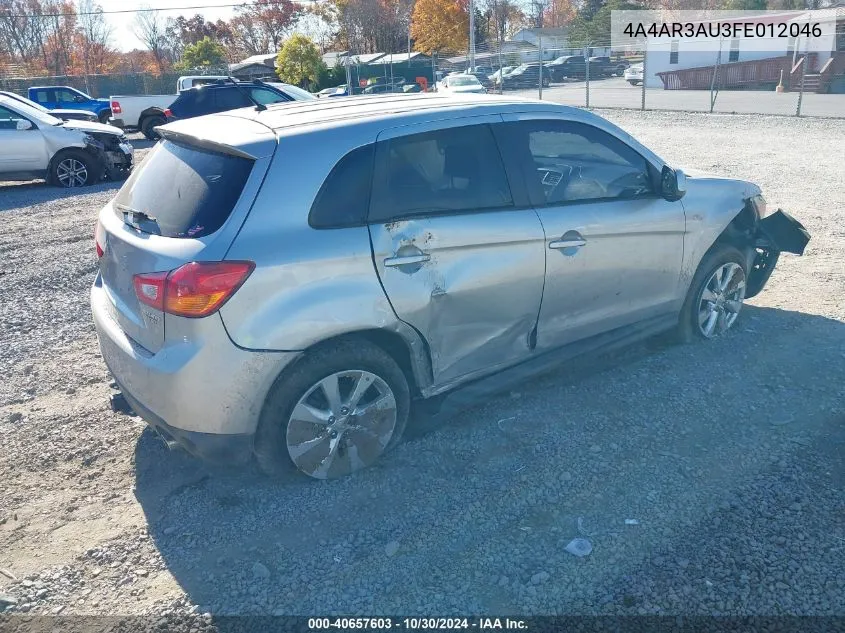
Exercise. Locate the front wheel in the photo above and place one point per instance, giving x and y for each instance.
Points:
(74, 168)
(336, 412)
(716, 294)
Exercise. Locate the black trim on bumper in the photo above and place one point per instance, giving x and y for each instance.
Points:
(234, 448)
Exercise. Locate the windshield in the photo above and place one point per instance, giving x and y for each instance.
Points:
(23, 108)
(297, 93)
(463, 80)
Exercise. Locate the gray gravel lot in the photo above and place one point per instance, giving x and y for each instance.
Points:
(730, 454)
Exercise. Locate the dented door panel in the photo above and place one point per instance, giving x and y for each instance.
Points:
(470, 284)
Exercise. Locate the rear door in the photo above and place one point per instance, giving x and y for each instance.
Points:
(184, 203)
(229, 98)
(458, 250)
(615, 247)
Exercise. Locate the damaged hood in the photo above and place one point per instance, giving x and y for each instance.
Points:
(90, 126)
(700, 177)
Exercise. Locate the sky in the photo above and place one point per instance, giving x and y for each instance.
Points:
(123, 38)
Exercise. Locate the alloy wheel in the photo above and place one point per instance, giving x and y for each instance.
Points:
(342, 424)
(72, 173)
(721, 300)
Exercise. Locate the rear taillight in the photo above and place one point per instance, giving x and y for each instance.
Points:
(99, 240)
(115, 107)
(194, 290)
(168, 113)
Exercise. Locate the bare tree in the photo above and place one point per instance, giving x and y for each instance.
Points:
(151, 28)
(95, 37)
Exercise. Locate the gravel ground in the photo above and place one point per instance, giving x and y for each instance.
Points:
(729, 455)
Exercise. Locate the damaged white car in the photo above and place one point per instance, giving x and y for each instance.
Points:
(35, 144)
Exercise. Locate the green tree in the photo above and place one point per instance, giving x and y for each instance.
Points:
(206, 52)
(299, 62)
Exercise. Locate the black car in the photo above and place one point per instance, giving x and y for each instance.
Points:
(607, 67)
(526, 76)
(483, 76)
(222, 96)
(568, 67)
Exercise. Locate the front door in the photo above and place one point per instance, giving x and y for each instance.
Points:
(614, 246)
(23, 150)
(459, 261)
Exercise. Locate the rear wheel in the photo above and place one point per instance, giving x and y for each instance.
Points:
(339, 410)
(74, 168)
(150, 122)
(104, 116)
(716, 294)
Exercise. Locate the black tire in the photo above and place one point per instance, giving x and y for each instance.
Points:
(546, 82)
(104, 116)
(148, 123)
(270, 444)
(719, 254)
(64, 159)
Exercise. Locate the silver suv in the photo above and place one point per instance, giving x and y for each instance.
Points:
(284, 282)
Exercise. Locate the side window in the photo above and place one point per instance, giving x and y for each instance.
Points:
(452, 170)
(264, 96)
(9, 120)
(228, 99)
(43, 96)
(573, 162)
(344, 198)
(66, 95)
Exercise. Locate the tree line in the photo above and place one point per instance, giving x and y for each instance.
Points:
(60, 37)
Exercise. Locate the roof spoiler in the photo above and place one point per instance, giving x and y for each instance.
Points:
(203, 143)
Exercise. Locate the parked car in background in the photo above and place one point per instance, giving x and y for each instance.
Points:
(483, 76)
(634, 74)
(607, 66)
(526, 76)
(64, 115)
(146, 112)
(231, 327)
(461, 84)
(567, 67)
(228, 95)
(67, 98)
(495, 78)
(35, 144)
(414, 87)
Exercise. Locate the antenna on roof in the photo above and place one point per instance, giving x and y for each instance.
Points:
(258, 106)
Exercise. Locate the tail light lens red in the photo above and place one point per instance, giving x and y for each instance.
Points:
(115, 107)
(194, 290)
(167, 112)
(99, 241)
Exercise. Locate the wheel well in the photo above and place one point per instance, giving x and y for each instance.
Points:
(740, 231)
(146, 114)
(390, 342)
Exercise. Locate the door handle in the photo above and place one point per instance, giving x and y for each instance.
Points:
(570, 243)
(407, 260)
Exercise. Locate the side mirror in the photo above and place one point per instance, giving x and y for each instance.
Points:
(23, 124)
(673, 184)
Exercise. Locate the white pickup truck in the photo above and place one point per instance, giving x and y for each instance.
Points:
(145, 112)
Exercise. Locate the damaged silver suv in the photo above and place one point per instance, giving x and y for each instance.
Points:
(282, 281)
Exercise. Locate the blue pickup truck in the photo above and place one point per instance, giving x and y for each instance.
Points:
(67, 98)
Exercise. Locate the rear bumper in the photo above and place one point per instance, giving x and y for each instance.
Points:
(198, 384)
(117, 123)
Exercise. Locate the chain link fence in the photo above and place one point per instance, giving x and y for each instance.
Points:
(794, 83)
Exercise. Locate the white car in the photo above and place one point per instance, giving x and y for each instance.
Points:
(461, 84)
(34, 144)
(634, 74)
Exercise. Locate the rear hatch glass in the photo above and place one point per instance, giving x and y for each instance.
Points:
(182, 191)
(178, 194)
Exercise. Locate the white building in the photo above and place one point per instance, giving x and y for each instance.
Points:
(664, 55)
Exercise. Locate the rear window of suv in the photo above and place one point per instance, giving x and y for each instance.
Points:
(182, 191)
